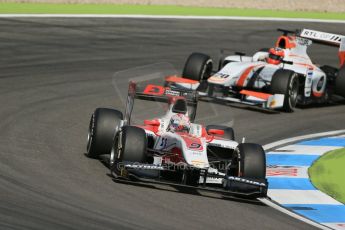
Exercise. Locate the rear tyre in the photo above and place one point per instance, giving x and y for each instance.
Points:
(286, 82)
(228, 131)
(104, 124)
(198, 67)
(340, 82)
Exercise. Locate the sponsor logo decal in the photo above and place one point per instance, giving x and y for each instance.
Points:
(192, 143)
(172, 92)
(239, 179)
(308, 82)
(303, 42)
(154, 90)
(281, 171)
(221, 75)
(194, 146)
(143, 166)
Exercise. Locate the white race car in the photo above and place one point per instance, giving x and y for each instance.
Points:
(280, 77)
(173, 150)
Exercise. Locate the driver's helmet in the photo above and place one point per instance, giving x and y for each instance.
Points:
(179, 123)
(275, 56)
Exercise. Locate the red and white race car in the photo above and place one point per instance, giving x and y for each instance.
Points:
(171, 149)
(280, 77)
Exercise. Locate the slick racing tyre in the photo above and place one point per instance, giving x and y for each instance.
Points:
(198, 67)
(104, 124)
(131, 144)
(251, 161)
(340, 82)
(228, 131)
(286, 82)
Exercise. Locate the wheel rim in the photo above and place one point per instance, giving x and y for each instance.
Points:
(235, 161)
(112, 156)
(88, 142)
(293, 93)
(89, 135)
(114, 161)
(115, 151)
(206, 72)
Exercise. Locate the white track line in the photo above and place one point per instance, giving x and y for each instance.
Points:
(292, 214)
(299, 138)
(304, 149)
(286, 196)
(276, 206)
(168, 17)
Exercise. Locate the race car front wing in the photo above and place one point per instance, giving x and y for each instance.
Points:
(228, 185)
(248, 97)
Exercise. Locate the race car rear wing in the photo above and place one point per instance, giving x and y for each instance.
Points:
(326, 39)
(323, 38)
(159, 94)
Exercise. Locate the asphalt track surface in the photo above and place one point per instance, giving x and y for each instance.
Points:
(55, 72)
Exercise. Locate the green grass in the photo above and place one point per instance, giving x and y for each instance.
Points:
(327, 174)
(41, 8)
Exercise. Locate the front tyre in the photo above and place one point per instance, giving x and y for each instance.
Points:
(286, 82)
(251, 161)
(198, 67)
(104, 124)
(130, 145)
